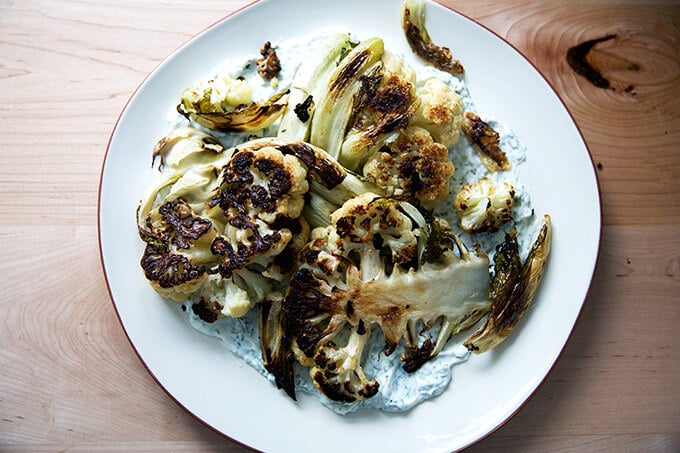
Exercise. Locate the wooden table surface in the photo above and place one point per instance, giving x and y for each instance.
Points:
(69, 379)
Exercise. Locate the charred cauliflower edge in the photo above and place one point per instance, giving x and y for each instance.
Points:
(328, 228)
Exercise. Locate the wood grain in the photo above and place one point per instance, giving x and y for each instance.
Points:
(69, 379)
(619, 126)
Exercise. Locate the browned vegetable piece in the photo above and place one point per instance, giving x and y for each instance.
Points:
(334, 109)
(384, 104)
(413, 23)
(486, 141)
(380, 264)
(269, 65)
(277, 355)
(414, 166)
(512, 288)
(185, 143)
(244, 118)
(303, 108)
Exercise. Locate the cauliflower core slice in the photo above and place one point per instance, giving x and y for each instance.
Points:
(175, 259)
(225, 232)
(380, 264)
(261, 198)
(484, 206)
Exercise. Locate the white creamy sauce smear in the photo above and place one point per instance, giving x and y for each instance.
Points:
(399, 390)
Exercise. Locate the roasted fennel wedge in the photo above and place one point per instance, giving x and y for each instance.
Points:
(512, 288)
(413, 23)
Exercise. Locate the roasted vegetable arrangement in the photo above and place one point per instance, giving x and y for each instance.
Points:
(325, 223)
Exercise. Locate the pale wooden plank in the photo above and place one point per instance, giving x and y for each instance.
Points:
(69, 369)
(634, 135)
(68, 69)
(217, 445)
(604, 444)
(614, 444)
(71, 381)
(619, 370)
(96, 71)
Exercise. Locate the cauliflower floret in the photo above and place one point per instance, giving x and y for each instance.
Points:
(337, 372)
(440, 111)
(172, 275)
(412, 166)
(237, 302)
(483, 206)
(224, 297)
(395, 65)
(234, 297)
(231, 92)
(369, 219)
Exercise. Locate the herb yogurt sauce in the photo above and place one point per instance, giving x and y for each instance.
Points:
(399, 390)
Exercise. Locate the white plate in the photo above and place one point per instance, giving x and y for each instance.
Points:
(486, 391)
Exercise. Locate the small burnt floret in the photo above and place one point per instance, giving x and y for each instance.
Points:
(269, 65)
